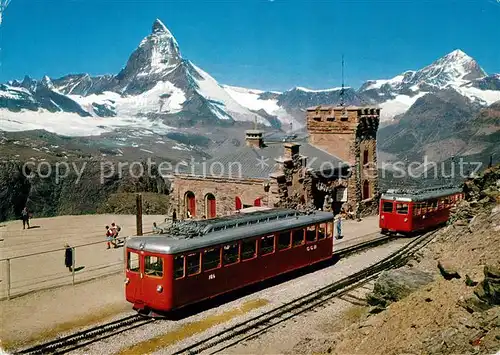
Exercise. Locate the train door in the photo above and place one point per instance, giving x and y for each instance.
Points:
(134, 277)
(152, 278)
(387, 218)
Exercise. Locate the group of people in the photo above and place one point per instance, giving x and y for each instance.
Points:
(112, 235)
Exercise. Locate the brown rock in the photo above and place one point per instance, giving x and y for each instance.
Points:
(448, 270)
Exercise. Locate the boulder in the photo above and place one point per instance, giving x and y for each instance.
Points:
(448, 270)
(488, 290)
(394, 285)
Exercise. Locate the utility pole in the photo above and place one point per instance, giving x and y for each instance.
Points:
(139, 214)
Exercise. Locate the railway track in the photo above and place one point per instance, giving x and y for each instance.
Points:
(88, 336)
(92, 335)
(255, 326)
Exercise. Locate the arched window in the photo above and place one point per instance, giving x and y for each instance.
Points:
(237, 203)
(366, 190)
(189, 204)
(257, 202)
(365, 157)
(210, 206)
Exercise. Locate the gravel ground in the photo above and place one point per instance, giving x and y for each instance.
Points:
(164, 337)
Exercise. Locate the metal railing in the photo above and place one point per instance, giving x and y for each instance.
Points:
(23, 274)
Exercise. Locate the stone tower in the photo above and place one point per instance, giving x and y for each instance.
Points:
(349, 133)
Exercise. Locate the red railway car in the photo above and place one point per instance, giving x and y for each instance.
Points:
(198, 260)
(410, 212)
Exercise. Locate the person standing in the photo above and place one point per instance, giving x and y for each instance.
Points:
(26, 217)
(339, 226)
(174, 216)
(109, 237)
(68, 257)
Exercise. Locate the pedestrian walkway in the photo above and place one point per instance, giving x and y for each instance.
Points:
(69, 306)
(33, 259)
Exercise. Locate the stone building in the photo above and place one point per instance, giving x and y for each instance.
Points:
(333, 165)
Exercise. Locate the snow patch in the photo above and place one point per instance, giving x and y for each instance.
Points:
(72, 124)
(400, 104)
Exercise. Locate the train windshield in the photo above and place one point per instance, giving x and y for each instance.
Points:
(387, 207)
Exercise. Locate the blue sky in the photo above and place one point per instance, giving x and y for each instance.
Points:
(273, 45)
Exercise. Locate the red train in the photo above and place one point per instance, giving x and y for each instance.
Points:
(410, 212)
(198, 260)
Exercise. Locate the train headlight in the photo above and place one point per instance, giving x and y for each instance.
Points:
(406, 219)
(127, 281)
(159, 288)
(382, 217)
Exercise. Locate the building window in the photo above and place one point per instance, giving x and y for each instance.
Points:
(190, 204)
(258, 202)
(366, 190)
(365, 157)
(237, 203)
(210, 206)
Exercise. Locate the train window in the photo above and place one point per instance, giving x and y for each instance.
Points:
(248, 249)
(322, 231)
(193, 264)
(330, 230)
(402, 208)
(133, 261)
(266, 245)
(311, 233)
(284, 241)
(179, 266)
(211, 259)
(231, 254)
(297, 237)
(387, 207)
(153, 266)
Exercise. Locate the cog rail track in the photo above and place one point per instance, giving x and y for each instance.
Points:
(88, 336)
(255, 326)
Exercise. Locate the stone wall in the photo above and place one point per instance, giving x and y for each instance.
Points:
(224, 190)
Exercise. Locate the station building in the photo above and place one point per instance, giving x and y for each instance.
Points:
(332, 166)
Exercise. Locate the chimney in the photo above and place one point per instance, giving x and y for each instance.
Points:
(254, 138)
(291, 149)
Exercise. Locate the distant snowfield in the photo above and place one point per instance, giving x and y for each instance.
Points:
(488, 96)
(165, 97)
(249, 98)
(73, 125)
(399, 105)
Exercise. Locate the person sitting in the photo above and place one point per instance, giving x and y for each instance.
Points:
(156, 230)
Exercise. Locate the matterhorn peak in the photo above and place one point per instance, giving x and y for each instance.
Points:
(159, 27)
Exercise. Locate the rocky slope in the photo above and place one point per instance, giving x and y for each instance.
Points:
(441, 126)
(456, 310)
(87, 189)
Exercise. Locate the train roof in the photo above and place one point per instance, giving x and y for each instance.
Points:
(420, 195)
(179, 239)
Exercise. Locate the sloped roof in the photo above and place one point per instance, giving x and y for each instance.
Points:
(255, 163)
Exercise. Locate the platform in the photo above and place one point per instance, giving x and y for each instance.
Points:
(36, 311)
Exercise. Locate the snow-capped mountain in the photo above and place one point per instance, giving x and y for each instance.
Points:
(455, 70)
(158, 87)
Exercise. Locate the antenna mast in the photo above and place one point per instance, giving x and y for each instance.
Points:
(3, 6)
(342, 103)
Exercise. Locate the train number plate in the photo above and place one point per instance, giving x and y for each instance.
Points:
(311, 247)
(211, 276)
